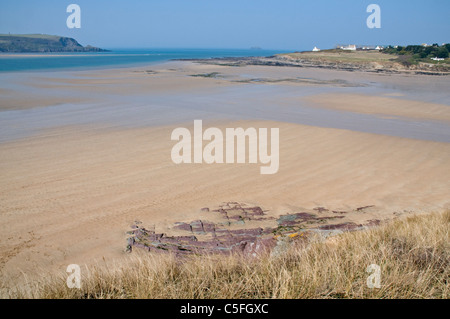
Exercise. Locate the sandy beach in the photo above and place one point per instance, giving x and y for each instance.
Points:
(85, 154)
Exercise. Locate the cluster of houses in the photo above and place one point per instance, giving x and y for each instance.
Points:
(353, 47)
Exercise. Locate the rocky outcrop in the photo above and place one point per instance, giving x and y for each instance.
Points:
(240, 231)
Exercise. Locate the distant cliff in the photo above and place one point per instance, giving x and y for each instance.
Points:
(20, 43)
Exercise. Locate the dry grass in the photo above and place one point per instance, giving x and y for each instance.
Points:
(413, 254)
(342, 56)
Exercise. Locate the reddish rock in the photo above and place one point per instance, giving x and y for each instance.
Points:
(294, 219)
(260, 246)
(217, 238)
(373, 222)
(183, 226)
(155, 237)
(209, 227)
(268, 231)
(197, 226)
(222, 232)
(364, 207)
(247, 232)
(332, 217)
(235, 217)
(257, 211)
(289, 223)
(187, 238)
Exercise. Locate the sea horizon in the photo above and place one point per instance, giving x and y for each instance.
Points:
(115, 58)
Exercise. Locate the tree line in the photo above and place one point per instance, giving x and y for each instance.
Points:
(420, 51)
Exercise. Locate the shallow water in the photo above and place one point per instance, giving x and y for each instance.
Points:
(250, 101)
(115, 58)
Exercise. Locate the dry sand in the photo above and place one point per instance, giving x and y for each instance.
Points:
(70, 197)
(69, 194)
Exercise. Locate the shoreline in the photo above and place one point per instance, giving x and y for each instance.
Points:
(279, 60)
(375, 102)
(283, 60)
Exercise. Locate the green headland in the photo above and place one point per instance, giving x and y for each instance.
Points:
(35, 43)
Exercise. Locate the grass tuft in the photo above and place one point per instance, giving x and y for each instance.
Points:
(413, 254)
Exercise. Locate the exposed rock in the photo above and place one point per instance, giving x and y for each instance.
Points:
(224, 237)
(183, 226)
(294, 219)
(373, 222)
(364, 207)
(339, 212)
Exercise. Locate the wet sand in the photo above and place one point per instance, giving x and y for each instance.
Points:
(383, 106)
(75, 176)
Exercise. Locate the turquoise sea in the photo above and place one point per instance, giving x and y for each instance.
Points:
(115, 58)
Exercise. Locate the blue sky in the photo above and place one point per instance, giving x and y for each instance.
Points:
(282, 24)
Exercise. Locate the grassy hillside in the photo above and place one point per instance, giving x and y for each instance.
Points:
(21, 43)
(413, 255)
(389, 60)
(414, 54)
(341, 56)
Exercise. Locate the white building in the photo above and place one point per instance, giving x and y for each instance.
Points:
(378, 48)
(351, 47)
(316, 49)
(437, 59)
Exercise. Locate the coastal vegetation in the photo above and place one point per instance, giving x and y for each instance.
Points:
(412, 253)
(413, 54)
